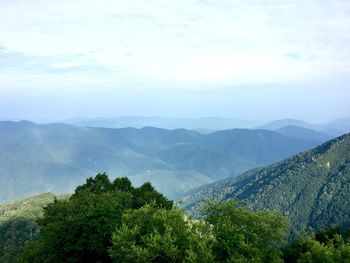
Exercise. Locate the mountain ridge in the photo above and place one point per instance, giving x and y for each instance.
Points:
(311, 187)
(332, 128)
(57, 157)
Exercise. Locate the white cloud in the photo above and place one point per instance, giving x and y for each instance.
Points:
(65, 65)
(213, 42)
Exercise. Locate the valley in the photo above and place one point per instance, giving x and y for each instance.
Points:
(56, 157)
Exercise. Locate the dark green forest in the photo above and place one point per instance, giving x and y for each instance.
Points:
(312, 188)
(112, 221)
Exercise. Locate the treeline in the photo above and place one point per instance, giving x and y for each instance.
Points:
(106, 221)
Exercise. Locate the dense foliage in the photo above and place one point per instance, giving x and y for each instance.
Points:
(14, 233)
(18, 224)
(330, 245)
(229, 233)
(311, 188)
(150, 234)
(106, 221)
(79, 229)
(245, 236)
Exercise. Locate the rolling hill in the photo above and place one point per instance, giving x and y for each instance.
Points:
(57, 157)
(312, 188)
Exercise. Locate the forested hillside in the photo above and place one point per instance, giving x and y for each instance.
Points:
(112, 221)
(18, 223)
(57, 157)
(312, 188)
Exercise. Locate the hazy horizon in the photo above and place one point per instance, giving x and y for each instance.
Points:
(240, 122)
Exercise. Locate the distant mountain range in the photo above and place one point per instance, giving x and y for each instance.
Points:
(332, 128)
(210, 124)
(312, 188)
(278, 124)
(57, 157)
(201, 124)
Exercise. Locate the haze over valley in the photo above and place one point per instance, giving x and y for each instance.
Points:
(57, 157)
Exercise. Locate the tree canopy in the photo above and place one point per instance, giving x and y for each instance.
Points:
(80, 229)
(150, 234)
(112, 221)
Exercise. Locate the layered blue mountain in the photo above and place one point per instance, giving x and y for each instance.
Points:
(57, 157)
(202, 124)
(332, 128)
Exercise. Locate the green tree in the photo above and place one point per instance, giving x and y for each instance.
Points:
(14, 233)
(80, 229)
(329, 245)
(326, 252)
(150, 234)
(245, 236)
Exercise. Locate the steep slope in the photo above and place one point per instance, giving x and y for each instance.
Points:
(56, 157)
(29, 207)
(18, 224)
(312, 188)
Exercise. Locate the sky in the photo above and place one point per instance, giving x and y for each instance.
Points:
(247, 59)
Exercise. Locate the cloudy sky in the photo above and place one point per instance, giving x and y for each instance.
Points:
(247, 59)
